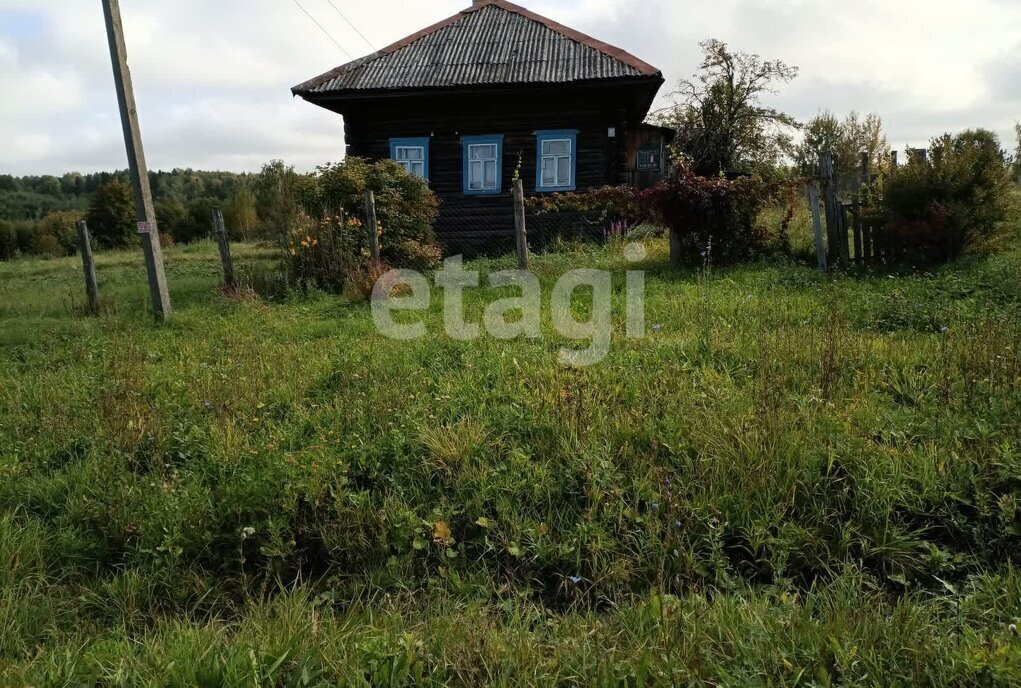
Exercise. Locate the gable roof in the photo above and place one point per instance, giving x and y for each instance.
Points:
(492, 42)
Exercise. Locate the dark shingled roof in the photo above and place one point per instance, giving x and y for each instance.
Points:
(492, 42)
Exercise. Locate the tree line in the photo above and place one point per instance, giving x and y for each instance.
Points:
(38, 213)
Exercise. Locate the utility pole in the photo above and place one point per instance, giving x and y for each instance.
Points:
(144, 211)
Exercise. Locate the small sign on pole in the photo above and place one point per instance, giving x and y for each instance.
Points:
(147, 228)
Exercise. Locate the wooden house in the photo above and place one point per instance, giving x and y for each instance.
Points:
(495, 91)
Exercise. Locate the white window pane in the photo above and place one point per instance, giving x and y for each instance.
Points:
(483, 152)
(490, 171)
(410, 153)
(405, 165)
(475, 176)
(563, 171)
(549, 172)
(556, 147)
(418, 169)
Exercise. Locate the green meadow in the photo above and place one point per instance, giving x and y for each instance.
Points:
(794, 479)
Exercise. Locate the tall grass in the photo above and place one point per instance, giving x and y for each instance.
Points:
(794, 479)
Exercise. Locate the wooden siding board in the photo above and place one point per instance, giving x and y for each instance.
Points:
(517, 116)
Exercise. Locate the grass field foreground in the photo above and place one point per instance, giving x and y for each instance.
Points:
(794, 479)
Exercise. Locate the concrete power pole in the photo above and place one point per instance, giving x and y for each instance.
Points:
(147, 228)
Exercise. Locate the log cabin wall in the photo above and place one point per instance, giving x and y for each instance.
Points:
(471, 222)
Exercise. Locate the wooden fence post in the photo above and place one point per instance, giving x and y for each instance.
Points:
(371, 224)
(520, 231)
(223, 241)
(820, 242)
(91, 285)
(838, 249)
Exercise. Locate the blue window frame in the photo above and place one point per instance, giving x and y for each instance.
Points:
(412, 154)
(556, 159)
(483, 165)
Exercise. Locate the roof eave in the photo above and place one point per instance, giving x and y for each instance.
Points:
(324, 99)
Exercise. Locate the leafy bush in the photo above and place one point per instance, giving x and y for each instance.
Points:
(326, 243)
(608, 213)
(609, 204)
(405, 207)
(714, 218)
(57, 234)
(322, 253)
(956, 202)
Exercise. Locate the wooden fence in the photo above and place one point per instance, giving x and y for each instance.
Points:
(856, 232)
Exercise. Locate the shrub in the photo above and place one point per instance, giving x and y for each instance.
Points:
(714, 218)
(609, 204)
(956, 202)
(57, 234)
(608, 212)
(321, 253)
(111, 215)
(405, 207)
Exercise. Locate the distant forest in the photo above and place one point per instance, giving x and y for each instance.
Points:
(38, 214)
(35, 197)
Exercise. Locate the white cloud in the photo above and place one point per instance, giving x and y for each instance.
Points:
(212, 78)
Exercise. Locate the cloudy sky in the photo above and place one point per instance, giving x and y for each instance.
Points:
(212, 77)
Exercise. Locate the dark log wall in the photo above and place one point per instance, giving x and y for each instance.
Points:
(601, 159)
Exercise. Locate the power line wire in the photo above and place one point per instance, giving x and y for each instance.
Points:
(323, 29)
(351, 24)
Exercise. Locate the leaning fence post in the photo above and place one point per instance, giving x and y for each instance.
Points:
(820, 242)
(837, 245)
(91, 286)
(520, 231)
(371, 225)
(223, 241)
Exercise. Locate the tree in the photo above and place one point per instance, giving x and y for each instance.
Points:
(111, 215)
(197, 221)
(848, 139)
(1017, 154)
(722, 125)
(277, 198)
(239, 214)
(171, 215)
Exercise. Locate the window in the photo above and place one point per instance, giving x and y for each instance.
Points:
(483, 160)
(650, 159)
(412, 154)
(557, 160)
